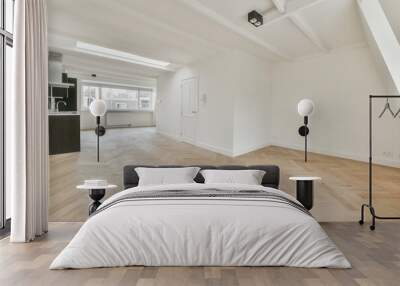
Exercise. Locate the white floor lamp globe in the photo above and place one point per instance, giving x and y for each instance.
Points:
(98, 108)
(305, 108)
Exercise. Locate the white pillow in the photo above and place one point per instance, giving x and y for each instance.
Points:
(165, 176)
(248, 177)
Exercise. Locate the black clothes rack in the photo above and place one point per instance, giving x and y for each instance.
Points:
(370, 202)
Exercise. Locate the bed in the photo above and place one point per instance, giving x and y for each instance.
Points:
(198, 224)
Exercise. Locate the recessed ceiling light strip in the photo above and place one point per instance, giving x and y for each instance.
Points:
(120, 55)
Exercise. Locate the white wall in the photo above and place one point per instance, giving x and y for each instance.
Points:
(252, 104)
(232, 120)
(339, 84)
(215, 116)
(252, 128)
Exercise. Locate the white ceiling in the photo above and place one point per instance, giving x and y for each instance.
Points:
(392, 9)
(185, 31)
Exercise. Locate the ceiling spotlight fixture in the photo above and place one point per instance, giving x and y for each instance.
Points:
(255, 18)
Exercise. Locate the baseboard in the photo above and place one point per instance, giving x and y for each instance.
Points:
(215, 149)
(118, 127)
(245, 150)
(203, 145)
(377, 159)
(172, 136)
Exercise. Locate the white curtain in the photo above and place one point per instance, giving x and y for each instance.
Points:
(27, 123)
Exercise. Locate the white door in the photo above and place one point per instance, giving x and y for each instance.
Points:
(190, 106)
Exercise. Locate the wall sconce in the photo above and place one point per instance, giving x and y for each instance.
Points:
(305, 108)
(98, 108)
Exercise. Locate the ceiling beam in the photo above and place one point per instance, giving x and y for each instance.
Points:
(295, 6)
(308, 31)
(201, 8)
(280, 5)
(300, 23)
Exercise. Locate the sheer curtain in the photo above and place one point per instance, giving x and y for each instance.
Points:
(27, 122)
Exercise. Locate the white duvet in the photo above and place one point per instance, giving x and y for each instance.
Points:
(212, 231)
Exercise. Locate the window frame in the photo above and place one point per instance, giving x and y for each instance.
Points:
(124, 87)
(6, 39)
(81, 96)
(151, 103)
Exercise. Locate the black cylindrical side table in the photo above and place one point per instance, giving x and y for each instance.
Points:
(96, 192)
(96, 195)
(305, 190)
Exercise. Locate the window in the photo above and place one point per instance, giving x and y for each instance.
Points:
(9, 17)
(118, 98)
(88, 94)
(145, 99)
(6, 43)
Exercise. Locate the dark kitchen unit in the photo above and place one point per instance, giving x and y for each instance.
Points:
(63, 96)
(64, 120)
(64, 133)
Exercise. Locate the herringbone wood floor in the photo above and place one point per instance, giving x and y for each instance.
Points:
(374, 256)
(337, 197)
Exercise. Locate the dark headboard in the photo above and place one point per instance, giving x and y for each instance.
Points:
(270, 179)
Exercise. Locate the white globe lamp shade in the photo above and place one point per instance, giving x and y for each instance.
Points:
(305, 107)
(98, 107)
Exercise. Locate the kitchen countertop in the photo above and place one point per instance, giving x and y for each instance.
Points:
(64, 113)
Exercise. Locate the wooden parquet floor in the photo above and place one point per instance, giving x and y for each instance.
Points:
(374, 256)
(337, 197)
